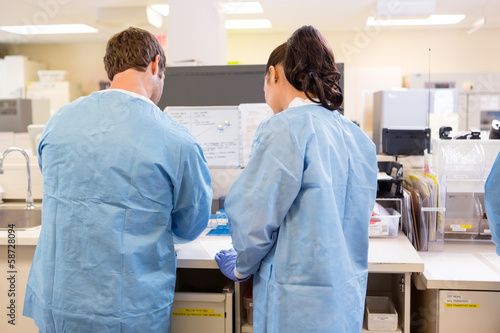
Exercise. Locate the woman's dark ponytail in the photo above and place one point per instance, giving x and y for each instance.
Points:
(309, 65)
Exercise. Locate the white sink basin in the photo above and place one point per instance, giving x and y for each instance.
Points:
(14, 213)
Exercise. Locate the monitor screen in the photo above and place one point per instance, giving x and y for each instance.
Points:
(216, 85)
(487, 118)
(213, 85)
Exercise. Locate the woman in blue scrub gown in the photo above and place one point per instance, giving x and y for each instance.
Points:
(300, 210)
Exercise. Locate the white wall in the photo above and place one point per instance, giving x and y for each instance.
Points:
(452, 51)
(84, 62)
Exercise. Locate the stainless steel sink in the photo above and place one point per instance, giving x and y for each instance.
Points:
(13, 213)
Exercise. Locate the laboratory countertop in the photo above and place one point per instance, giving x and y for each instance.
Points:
(22, 237)
(386, 255)
(463, 265)
(393, 255)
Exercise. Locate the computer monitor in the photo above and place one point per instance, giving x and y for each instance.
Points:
(216, 85)
(486, 117)
(213, 85)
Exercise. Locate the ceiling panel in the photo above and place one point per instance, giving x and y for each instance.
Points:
(285, 15)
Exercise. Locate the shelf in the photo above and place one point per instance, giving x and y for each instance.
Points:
(367, 331)
(246, 328)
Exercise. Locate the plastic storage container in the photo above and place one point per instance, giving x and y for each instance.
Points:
(464, 165)
(380, 314)
(386, 222)
(385, 225)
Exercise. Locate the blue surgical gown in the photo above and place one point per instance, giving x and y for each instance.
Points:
(492, 202)
(299, 216)
(121, 179)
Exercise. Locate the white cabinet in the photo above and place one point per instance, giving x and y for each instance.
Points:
(459, 291)
(24, 257)
(15, 72)
(203, 302)
(458, 311)
(468, 311)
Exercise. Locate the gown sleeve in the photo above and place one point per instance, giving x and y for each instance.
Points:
(260, 198)
(192, 195)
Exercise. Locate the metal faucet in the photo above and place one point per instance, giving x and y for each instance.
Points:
(29, 197)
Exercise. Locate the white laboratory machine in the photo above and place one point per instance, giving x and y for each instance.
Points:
(17, 113)
(413, 109)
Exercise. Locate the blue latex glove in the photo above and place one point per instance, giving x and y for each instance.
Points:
(226, 259)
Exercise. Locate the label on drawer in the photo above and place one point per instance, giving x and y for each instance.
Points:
(458, 301)
(457, 305)
(382, 318)
(196, 313)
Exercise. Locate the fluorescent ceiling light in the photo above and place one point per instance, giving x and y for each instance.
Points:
(406, 8)
(242, 8)
(431, 20)
(154, 18)
(248, 24)
(478, 24)
(162, 9)
(229, 8)
(49, 29)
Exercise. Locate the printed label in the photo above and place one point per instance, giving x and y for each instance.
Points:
(458, 305)
(196, 310)
(196, 313)
(378, 228)
(460, 227)
(457, 301)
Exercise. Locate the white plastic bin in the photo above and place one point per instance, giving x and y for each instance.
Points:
(380, 314)
(385, 225)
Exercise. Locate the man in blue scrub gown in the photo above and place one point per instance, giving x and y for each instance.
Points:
(121, 182)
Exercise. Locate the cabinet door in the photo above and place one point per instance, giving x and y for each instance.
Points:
(468, 311)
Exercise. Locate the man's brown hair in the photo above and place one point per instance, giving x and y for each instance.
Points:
(132, 48)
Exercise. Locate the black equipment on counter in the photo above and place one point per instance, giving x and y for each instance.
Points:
(473, 134)
(392, 186)
(495, 129)
(400, 141)
(444, 132)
